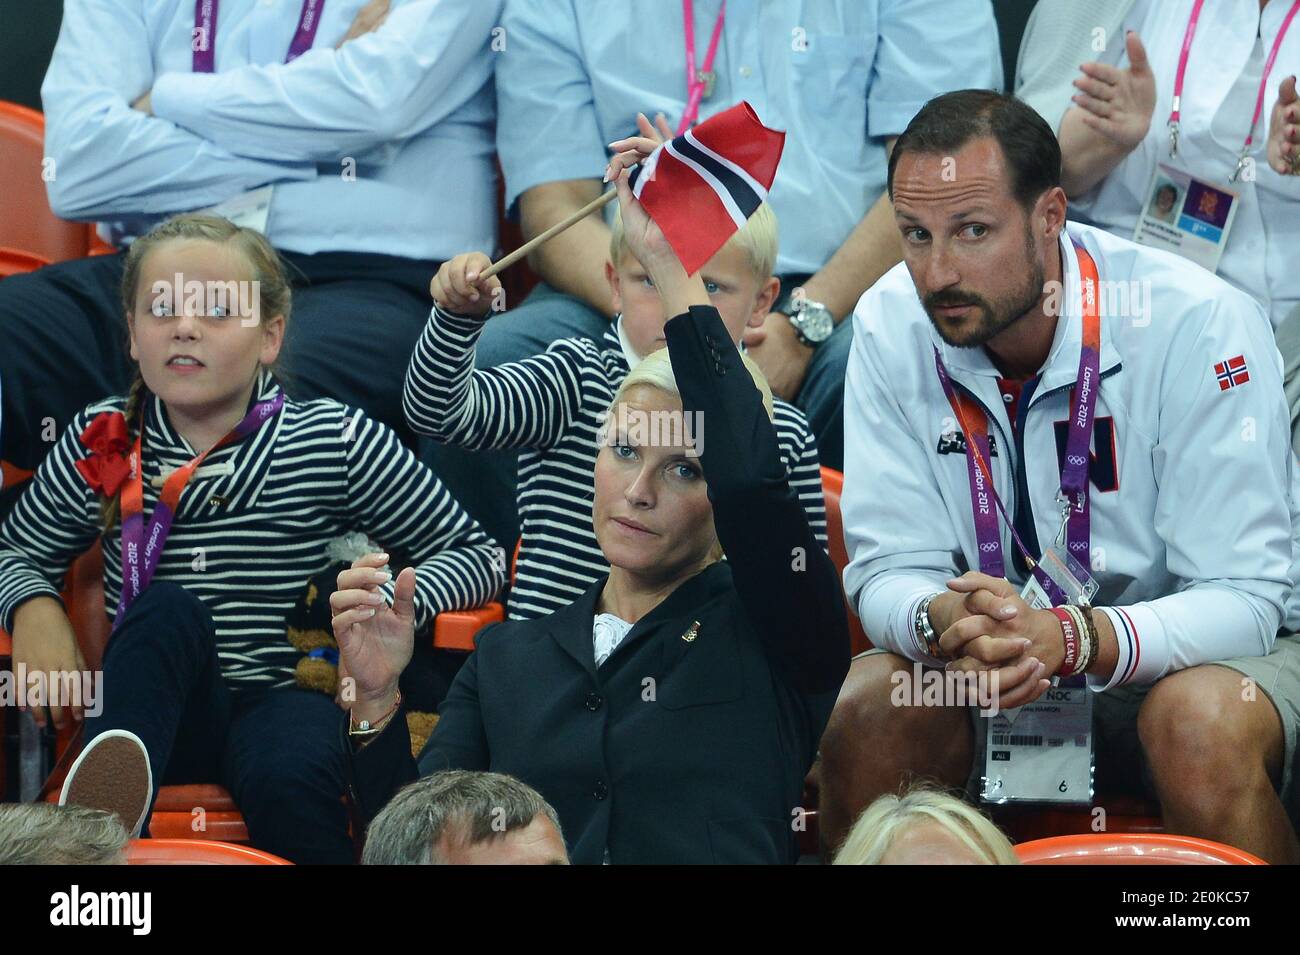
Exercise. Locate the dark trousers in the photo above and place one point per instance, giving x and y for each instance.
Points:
(355, 320)
(278, 751)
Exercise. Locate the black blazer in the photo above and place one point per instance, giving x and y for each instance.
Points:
(691, 742)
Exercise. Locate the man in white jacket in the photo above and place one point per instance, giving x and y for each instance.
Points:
(1181, 509)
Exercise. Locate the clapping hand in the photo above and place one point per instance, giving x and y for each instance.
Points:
(1116, 103)
(1284, 130)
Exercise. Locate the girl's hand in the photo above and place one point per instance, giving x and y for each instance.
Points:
(457, 288)
(1284, 130)
(1117, 104)
(375, 640)
(44, 642)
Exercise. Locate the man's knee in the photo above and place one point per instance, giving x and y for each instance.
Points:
(866, 718)
(1203, 731)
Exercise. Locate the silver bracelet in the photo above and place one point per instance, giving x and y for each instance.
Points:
(927, 640)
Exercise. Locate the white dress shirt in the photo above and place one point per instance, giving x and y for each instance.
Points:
(607, 632)
(839, 76)
(408, 107)
(1223, 71)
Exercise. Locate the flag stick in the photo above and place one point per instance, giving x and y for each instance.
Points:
(550, 233)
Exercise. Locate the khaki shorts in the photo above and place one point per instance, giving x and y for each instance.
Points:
(1121, 766)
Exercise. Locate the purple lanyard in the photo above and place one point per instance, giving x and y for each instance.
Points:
(141, 552)
(204, 40)
(1073, 495)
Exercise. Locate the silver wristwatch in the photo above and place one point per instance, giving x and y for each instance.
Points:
(812, 321)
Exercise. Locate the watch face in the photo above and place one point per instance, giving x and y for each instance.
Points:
(815, 323)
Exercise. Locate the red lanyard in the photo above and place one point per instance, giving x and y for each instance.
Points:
(1176, 112)
(205, 33)
(141, 552)
(1073, 494)
(699, 84)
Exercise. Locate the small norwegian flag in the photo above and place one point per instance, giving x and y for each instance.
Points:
(703, 186)
(1232, 372)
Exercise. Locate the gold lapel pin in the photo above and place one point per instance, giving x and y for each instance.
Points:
(217, 500)
(693, 632)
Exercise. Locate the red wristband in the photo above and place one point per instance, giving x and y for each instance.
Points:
(1071, 640)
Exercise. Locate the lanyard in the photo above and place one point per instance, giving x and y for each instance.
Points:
(699, 84)
(140, 559)
(205, 30)
(1073, 494)
(1176, 112)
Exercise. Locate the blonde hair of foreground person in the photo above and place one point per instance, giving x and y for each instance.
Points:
(890, 819)
(656, 371)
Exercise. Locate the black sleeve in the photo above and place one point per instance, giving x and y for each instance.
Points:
(383, 766)
(459, 741)
(787, 583)
(379, 769)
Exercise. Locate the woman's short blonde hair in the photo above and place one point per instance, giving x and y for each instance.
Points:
(759, 238)
(656, 371)
(888, 817)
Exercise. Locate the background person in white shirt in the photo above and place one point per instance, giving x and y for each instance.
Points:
(841, 77)
(1191, 534)
(1116, 131)
(372, 121)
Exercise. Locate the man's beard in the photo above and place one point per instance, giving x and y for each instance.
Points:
(990, 318)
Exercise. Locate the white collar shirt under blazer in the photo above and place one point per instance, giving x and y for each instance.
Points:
(1193, 534)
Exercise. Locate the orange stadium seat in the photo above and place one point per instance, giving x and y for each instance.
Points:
(15, 262)
(27, 224)
(196, 852)
(456, 629)
(832, 486)
(1133, 849)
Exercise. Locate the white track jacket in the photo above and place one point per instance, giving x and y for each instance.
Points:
(1192, 521)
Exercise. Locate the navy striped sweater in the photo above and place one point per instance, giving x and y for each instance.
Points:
(253, 524)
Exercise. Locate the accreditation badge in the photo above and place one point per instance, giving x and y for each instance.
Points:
(1186, 215)
(1042, 752)
(249, 210)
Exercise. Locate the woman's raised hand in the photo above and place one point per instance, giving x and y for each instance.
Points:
(375, 639)
(644, 239)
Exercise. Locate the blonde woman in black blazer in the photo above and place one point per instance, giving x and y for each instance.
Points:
(690, 741)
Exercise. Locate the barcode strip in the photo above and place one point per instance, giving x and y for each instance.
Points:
(1000, 739)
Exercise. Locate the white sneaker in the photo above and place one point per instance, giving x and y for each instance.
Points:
(112, 773)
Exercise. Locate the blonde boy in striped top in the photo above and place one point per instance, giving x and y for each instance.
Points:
(552, 406)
